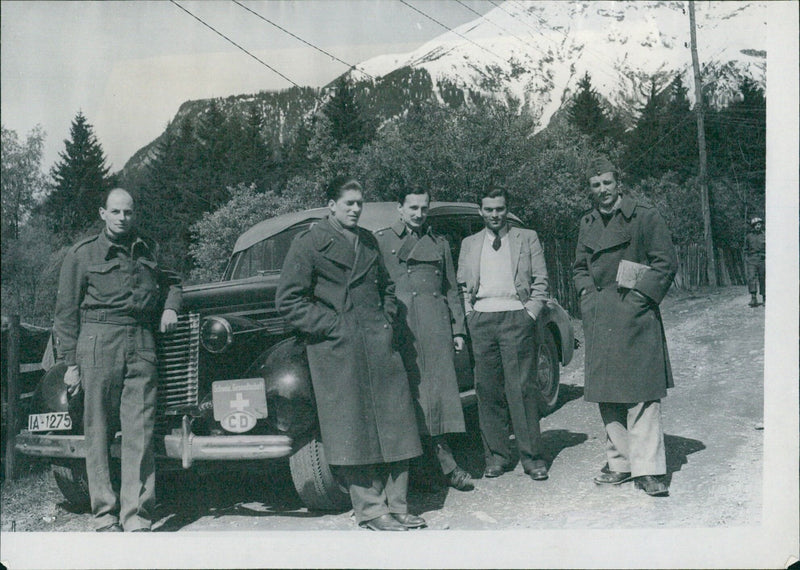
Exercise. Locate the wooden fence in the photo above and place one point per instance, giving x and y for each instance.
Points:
(692, 264)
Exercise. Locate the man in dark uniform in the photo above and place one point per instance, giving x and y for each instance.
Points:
(430, 324)
(335, 291)
(755, 250)
(112, 293)
(624, 265)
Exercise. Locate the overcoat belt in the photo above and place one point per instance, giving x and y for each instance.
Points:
(430, 313)
(626, 351)
(341, 299)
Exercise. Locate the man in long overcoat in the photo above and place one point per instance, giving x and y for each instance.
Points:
(336, 292)
(627, 369)
(431, 326)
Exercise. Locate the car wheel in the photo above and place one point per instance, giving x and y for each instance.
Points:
(314, 481)
(548, 374)
(70, 476)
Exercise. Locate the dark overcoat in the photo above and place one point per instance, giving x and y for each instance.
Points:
(430, 313)
(626, 351)
(341, 299)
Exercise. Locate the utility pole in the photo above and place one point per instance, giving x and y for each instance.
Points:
(701, 144)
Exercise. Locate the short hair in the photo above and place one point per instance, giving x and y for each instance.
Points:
(406, 190)
(107, 193)
(339, 185)
(493, 191)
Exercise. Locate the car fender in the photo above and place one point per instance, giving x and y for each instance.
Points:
(287, 379)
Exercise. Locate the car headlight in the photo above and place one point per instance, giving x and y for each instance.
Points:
(216, 334)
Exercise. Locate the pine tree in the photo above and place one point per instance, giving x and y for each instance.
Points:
(348, 126)
(586, 111)
(80, 179)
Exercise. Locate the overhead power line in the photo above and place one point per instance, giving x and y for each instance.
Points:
(462, 36)
(295, 36)
(210, 27)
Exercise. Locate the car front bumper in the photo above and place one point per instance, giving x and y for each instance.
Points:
(185, 446)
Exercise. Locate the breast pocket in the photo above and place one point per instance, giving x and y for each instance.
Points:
(148, 274)
(104, 279)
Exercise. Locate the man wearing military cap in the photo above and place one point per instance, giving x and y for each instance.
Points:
(112, 295)
(624, 265)
(755, 249)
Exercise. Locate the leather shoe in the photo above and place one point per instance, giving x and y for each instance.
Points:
(143, 529)
(497, 469)
(113, 527)
(652, 485)
(409, 520)
(612, 477)
(460, 479)
(383, 522)
(538, 473)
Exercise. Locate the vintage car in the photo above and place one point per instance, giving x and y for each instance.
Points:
(234, 383)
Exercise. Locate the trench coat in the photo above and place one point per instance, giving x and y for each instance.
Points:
(429, 314)
(626, 350)
(341, 300)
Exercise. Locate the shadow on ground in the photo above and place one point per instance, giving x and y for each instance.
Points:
(263, 489)
(678, 449)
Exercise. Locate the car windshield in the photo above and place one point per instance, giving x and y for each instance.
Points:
(266, 256)
(263, 257)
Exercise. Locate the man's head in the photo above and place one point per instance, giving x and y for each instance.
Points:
(413, 206)
(757, 224)
(345, 200)
(603, 184)
(494, 208)
(118, 213)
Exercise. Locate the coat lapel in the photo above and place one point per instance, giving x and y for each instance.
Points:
(366, 255)
(515, 241)
(334, 246)
(598, 237)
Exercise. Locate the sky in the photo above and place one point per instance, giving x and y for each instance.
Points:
(128, 66)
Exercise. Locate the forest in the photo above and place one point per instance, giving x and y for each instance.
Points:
(215, 174)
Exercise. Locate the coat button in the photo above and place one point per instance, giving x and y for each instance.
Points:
(393, 250)
(599, 288)
(437, 272)
(376, 282)
(408, 271)
(435, 294)
(414, 293)
(385, 325)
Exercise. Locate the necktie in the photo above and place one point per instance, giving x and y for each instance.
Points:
(496, 243)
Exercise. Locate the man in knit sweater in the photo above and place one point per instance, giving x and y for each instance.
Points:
(503, 277)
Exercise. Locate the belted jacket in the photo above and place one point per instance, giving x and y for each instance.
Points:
(103, 281)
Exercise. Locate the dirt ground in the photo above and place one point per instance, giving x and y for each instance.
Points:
(713, 422)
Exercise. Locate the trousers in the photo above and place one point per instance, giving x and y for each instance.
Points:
(756, 276)
(376, 489)
(505, 348)
(634, 438)
(117, 365)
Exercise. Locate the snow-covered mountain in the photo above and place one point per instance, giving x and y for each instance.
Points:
(538, 51)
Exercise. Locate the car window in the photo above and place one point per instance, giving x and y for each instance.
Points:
(456, 228)
(265, 256)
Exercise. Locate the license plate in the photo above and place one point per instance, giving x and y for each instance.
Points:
(51, 421)
(238, 404)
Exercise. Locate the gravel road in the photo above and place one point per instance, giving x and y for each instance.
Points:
(714, 440)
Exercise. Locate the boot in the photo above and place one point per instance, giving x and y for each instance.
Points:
(753, 300)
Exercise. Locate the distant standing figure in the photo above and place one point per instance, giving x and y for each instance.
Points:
(335, 291)
(503, 277)
(112, 295)
(624, 265)
(755, 250)
(430, 326)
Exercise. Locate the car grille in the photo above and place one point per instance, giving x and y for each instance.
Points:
(178, 357)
